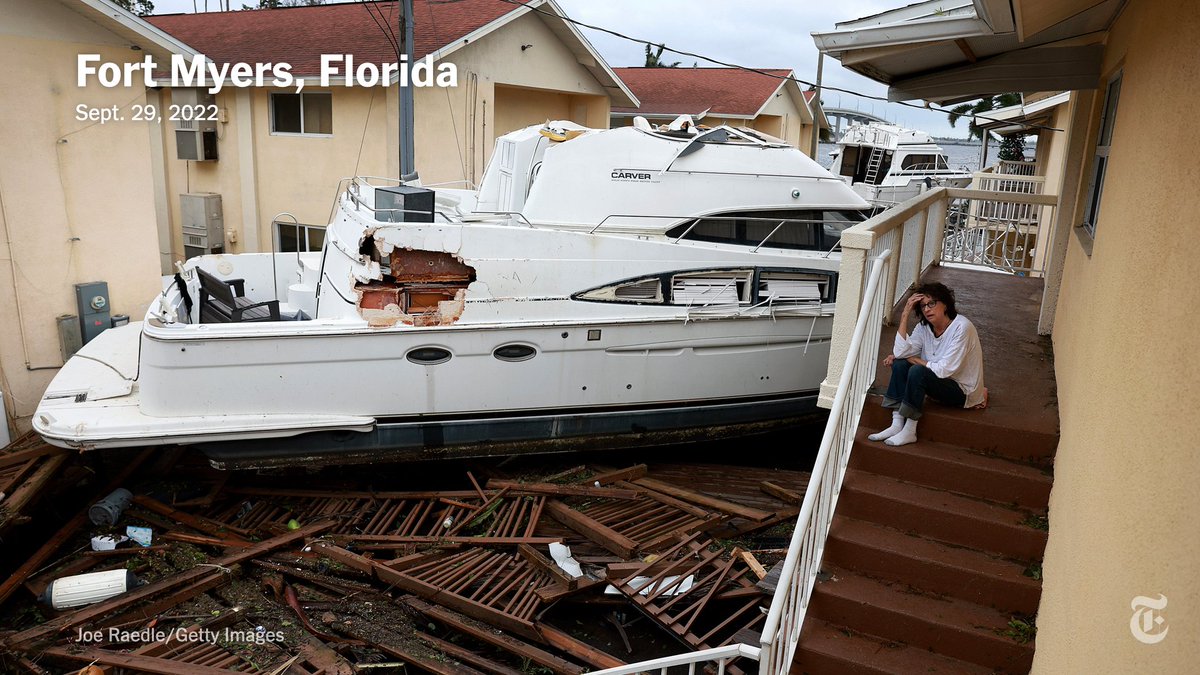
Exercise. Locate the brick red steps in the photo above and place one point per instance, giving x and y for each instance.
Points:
(954, 469)
(887, 554)
(940, 515)
(827, 648)
(950, 627)
(969, 429)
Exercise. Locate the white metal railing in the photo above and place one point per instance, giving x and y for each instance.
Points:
(721, 655)
(781, 634)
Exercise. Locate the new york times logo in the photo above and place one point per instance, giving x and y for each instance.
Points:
(1147, 623)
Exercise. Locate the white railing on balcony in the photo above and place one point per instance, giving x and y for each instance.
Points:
(1001, 234)
(722, 656)
(781, 634)
(1016, 168)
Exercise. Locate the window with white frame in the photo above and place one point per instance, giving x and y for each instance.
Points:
(293, 238)
(309, 113)
(1100, 164)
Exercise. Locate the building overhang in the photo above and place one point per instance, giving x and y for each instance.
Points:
(138, 32)
(950, 52)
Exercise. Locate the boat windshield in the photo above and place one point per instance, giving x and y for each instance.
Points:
(806, 229)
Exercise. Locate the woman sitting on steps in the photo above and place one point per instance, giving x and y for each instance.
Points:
(941, 358)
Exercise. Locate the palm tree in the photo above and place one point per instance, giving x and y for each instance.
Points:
(981, 107)
(654, 59)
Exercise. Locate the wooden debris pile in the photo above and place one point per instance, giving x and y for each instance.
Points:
(27, 466)
(247, 575)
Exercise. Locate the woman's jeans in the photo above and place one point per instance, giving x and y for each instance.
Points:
(909, 385)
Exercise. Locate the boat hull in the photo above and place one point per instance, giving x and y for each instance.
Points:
(564, 430)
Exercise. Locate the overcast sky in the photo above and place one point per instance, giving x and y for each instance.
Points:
(762, 34)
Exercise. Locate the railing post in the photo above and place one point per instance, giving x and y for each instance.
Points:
(849, 294)
(937, 213)
(893, 272)
(919, 258)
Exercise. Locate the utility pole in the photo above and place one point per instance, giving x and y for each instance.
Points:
(407, 161)
(816, 136)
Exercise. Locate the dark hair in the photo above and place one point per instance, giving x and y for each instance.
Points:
(942, 294)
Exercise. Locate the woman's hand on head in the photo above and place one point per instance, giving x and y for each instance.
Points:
(913, 299)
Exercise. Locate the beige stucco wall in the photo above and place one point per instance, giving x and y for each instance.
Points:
(76, 198)
(1123, 511)
(545, 81)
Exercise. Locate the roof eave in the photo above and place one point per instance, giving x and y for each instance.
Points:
(139, 27)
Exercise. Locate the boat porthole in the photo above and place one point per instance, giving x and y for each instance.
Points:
(428, 356)
(514, 353)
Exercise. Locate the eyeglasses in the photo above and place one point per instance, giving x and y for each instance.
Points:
(929, 305)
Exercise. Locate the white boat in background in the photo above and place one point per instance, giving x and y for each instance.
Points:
(887, 164)
(632, 286)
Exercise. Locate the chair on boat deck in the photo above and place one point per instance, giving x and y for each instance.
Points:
(224, 301)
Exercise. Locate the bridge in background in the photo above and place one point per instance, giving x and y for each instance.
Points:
(841, 118)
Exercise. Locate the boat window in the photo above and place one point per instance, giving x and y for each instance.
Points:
(514, 353)
(731, 287)
(849, 159)
(428, 356)
(919, 163)
(642, 291)
(941, 162)
(836, 222)
(811, 230)
(792, 288)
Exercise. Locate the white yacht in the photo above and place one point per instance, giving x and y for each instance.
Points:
(632, 286)
(886, 164)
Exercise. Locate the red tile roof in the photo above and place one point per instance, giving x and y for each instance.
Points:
(721, 91)
(299, 35)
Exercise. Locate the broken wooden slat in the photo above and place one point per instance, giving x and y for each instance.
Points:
(547, 565)
(782, 494)
(385, 542)
(577, 648)
(185, 538)
(465, 655)
(561, 490)
(751, 561)
(606, 477)
(198, 523)
(591, 529)
(490, 636)
(722, 505)
(39, 450)
(33, 485)
(136, 662)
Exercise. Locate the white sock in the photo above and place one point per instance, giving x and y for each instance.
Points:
(907, 435)
(897, 425)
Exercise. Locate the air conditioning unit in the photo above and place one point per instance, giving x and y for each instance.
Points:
(195, 130)
(203, 224)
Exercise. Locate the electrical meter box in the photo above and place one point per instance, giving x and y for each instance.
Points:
(403, 203)
(94, 317)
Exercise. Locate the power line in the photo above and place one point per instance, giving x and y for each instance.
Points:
(926, 106)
